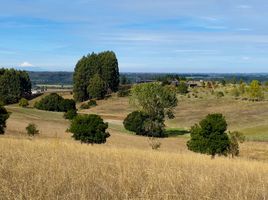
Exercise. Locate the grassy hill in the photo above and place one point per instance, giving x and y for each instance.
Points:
(54, 166)
(59, 169)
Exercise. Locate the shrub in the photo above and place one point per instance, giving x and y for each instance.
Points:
(123, 93)
(235, 138)
(154, 143)
(32, 129)
(209, 136)
(55, 102)
(51, 102)
(89, 104)
(92, 103)
(67, 104)
(219, 94)
(134, 122)
(124, 90)
(70, 114)
(84, 106)
(182, 88)
(89, 129)
(23, 102)
(4, 115)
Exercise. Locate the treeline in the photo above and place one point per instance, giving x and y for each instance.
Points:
(95, 75)
(14, 85)
(51, 78)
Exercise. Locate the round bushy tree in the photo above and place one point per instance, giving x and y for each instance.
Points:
(89, 129)
(23, 102)
(4, 115)
(70, 114)
(183, 88)
(51, 102)
(158, 102)
(135, 122)
(67, 104)
(209, 136)
(32, 129)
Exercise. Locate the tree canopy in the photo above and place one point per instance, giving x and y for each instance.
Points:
(14, 85)
(4, 115)
(96, 87)
(255, 91)
(89, 129)
(157, 102)
(104, 64)
(209, 136)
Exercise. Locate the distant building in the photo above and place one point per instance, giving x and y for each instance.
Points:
(34, 92)
(194, 84)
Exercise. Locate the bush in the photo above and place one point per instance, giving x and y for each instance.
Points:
(55, 102)
(4, 115)
(52, 102)
(23, 102)
(84, 106)
(182, 88)
(92, 103)
(124, 90)
(219, 94)
(32, 129)
(209, 136)
(123, 93)
(89, 104)
(135, 122)
(89, 129)
(70, 114)
(67, 104)
(235, 138)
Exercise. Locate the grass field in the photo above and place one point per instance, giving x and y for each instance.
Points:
(54, 166)
(59, 169)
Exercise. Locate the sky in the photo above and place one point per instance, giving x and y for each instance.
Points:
(175, 36)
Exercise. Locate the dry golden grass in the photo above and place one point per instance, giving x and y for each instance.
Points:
(59, 169)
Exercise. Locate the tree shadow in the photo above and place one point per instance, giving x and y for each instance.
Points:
(176, 132)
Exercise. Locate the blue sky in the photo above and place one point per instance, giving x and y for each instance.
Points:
(147, 35)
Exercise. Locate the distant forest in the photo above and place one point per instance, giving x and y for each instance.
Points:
(66, 78)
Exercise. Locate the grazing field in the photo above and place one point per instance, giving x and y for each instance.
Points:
(54, 166)
(59, 169)
(251, 118)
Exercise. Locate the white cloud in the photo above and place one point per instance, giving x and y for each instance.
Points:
(26, 64)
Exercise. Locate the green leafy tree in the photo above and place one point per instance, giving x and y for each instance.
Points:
(55, 102)
(105, 64)
(183, 88)
(23, 102)
(235, 138)
(14, 85)
(4, 115)
(52, 102)
(97, 88)
(157, 102)
(70, 114)
(66, 105)
(209, 136)
(89, 129)
(255, 91)
(32, 129)
(135, 122)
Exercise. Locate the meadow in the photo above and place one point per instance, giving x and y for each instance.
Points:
(59, 169)
(54, 166)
